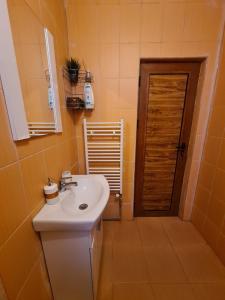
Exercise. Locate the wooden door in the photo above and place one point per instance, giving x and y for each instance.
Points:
(166, 103)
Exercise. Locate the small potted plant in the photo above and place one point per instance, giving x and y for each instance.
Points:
(73, 67)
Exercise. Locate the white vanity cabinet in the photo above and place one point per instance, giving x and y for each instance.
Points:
(73, 262)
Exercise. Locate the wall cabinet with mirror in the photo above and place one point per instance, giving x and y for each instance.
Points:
(28, 72)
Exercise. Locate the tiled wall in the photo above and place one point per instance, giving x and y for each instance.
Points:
(209, 206)
(111, 36)
(24, 169)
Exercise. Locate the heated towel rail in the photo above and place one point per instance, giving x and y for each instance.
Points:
(104, 151)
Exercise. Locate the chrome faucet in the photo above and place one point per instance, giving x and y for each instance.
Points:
(63, 185)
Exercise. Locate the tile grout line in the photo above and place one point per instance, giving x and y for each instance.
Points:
(149, 274)
(28, 277)
(18, 159)
(38, 207)
(174, 250)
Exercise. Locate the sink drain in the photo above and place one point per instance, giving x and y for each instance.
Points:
(83, 206)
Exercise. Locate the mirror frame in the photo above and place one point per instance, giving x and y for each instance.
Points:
(11, 84)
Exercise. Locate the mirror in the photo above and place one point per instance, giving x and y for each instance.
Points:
(28, 48)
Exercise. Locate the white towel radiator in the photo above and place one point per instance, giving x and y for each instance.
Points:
(104, 152)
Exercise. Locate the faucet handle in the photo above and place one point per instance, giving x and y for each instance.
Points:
(66, 179)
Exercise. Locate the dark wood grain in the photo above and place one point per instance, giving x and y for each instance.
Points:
(166, 103)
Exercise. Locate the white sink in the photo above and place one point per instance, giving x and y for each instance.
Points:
(92, 190)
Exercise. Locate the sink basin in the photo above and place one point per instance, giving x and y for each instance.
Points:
(79, 207)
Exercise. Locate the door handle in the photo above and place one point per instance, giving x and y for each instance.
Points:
(181, 148)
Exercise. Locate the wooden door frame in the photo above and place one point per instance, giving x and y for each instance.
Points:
(190, 66)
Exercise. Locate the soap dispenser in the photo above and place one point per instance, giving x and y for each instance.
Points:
(88, 92)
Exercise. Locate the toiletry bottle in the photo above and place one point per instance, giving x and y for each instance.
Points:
(51, 193)
(88, 92)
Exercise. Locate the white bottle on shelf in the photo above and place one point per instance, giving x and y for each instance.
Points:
(88, 92)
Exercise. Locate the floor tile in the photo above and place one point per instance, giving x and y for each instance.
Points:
(106, 279)
(201, 264)
(158, 259)
(173, 292)
(129, 264)
(152, 232)
(126, 233)
(106, 265)
(163, 265)
(132, 291)
(209, 291)
(108, 229)
(169, 220)
(183, 234)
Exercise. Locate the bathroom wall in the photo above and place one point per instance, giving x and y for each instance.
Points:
(24, 169)
(111, 36)
(209, 206)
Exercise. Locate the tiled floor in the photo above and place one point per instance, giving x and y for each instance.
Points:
(158, 259)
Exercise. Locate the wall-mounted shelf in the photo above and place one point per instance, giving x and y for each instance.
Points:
(75, 95)
(75, 103)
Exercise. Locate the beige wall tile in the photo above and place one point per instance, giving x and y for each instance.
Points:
(128, 93)
(129, 60)
(171, 49)
(216, 211)
(198, 218)
(130, 23)
(129, 151)
(109, 60)
(28, 147)
(36, 287)
(220, 151)
(202, 198)
(108, 18)
(87, 20)
(34, 178)
(194, 21)
(150, 50)
(109, 92)
(210, 232)
(218, 187)
(17, 257)
(151, 22)
(35, 6)
(128, 172)
(127, 211)
(53, 159)
(212, 148)
(216, 125)
(206, 175)
(173, 26)
(128, 192)
(212, 15)
(14, 206)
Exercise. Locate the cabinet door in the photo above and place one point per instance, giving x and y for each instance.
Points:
(96, 250)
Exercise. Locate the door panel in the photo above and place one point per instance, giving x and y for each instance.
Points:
(164, 116)
(166, 102)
